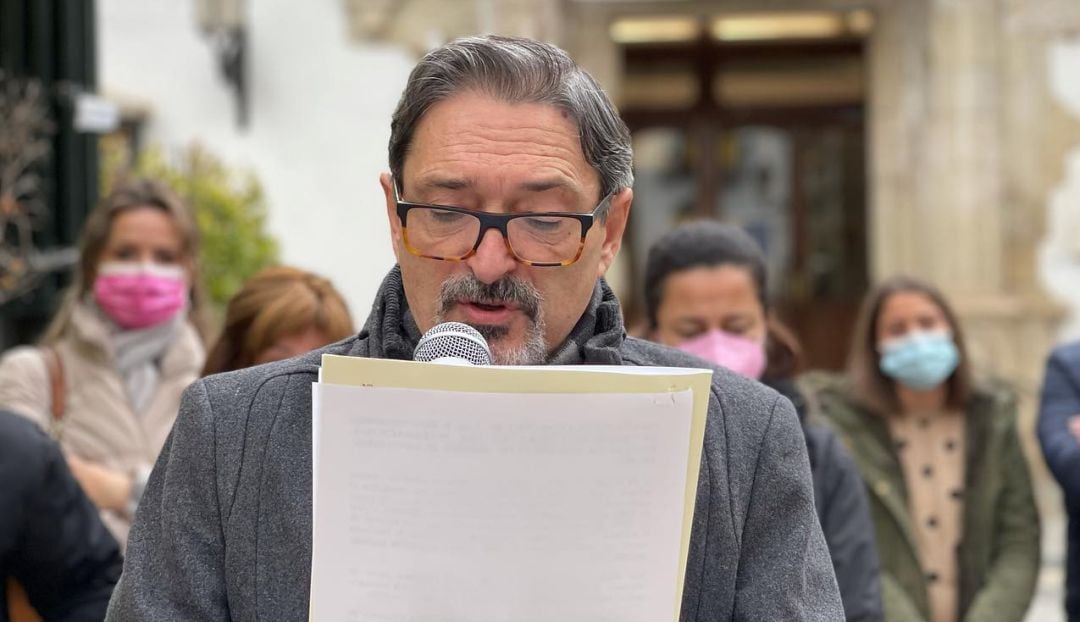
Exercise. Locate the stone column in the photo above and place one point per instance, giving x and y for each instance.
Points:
(935, 145)
(896, 111)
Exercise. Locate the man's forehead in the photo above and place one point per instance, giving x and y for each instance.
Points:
(465, 139)
(435, 180)
(472, 115)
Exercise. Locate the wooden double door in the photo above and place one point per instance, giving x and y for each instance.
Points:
(720, 133)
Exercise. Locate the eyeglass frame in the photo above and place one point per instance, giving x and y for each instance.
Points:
(499, 222)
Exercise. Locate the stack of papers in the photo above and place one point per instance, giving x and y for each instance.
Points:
(445, 493)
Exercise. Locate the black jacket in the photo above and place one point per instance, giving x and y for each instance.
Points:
(1060, 402)
(843, 511)
(51, 538)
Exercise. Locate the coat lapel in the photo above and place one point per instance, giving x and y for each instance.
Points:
(883, 473)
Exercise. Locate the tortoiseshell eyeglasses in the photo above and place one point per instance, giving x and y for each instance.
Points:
(545, 239)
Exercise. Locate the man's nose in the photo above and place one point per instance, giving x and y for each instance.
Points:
(492, 259)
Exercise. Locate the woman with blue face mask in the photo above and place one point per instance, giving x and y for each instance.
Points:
(956, 522)
(705, 290)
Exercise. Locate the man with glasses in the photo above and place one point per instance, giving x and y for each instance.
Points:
(507, 197)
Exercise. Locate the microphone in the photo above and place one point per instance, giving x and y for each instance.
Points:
(453, 343)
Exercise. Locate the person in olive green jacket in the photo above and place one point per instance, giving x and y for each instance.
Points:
(951, 498)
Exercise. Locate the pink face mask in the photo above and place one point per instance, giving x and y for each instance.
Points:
(739, 354)
(138, 295)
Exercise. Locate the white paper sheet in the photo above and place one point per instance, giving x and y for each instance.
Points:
(448, 506)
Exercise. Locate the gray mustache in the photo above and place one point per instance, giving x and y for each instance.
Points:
(505, 291)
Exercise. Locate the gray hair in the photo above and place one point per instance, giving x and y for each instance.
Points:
(517, 70)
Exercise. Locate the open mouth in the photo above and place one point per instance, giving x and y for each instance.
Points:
(487, 312)
(507, 301)
(489, 307)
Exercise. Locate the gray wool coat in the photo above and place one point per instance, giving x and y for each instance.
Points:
(224, 528)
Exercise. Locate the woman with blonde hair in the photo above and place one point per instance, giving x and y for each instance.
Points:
(106, 379)
(279, 313)
(956, 523)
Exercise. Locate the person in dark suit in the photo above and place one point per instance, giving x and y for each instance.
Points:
(1059, 435)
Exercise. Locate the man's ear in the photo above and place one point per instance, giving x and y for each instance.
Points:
(387, 183)
(614, 228)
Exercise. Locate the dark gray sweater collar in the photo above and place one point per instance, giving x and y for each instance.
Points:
(391, 332)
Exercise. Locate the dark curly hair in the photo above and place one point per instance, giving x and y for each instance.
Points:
(707, 243)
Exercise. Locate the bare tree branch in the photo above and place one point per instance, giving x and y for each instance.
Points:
(25, 148)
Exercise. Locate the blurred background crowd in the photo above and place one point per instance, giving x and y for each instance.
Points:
(850, 141)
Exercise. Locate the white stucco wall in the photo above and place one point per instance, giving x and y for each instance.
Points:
(320, 120)
(1059, 255)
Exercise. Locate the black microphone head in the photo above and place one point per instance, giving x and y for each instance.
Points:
(453, 342)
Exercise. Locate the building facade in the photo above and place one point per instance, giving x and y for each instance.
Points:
(966, 115)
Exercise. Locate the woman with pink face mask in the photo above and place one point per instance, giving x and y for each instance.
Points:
(705, 292)
(106, 379)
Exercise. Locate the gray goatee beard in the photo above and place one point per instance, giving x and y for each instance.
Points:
(508, 290)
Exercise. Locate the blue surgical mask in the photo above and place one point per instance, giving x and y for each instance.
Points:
(920, 360)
